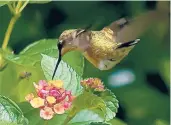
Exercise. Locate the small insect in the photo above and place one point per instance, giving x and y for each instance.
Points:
(25, 75)
(107, 47)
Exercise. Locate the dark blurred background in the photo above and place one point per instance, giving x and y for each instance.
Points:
(141, 82)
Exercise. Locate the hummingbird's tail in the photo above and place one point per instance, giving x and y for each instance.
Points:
(127, 44)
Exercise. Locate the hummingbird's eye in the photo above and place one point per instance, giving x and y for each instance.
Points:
(60, 41)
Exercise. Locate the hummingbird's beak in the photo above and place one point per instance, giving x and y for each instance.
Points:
(63, 49)
(60, 46)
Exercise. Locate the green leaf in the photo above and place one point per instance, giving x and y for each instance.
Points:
(85, 117)
(88, 117)
(161, 122)
(88, 100)
(164, 70)
(19, 84)
(111, 103)
(99, 123)
(116, 121)
(10, 113)
(88, 108)
(2, 3)
(103, 105)
(65, 72)
(41, 46)
(39, 1)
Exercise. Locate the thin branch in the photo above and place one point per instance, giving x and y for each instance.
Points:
(23, 6)
(9, 31)
(68, 120)
(14, 4)
(46, 122)
(70, 116)
(11, 8)
(18, 7)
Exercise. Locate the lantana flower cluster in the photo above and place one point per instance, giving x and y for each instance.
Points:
(94, 84)
(51, 98)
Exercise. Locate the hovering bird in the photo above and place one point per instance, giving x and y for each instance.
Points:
(107, 47)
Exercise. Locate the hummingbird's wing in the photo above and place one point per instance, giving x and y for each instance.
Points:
(82, 40)
(128, 30)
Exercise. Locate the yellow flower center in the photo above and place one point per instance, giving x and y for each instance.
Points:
(51, 99)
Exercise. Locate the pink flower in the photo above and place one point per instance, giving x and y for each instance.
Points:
(52, 98)
(67, 105)
(59, 108)
(93, 83)
(46, 113)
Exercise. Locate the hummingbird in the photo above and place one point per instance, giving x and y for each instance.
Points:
(107, 47)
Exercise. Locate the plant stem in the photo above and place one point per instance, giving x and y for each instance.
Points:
(16, 11)
(9, 30)
(24, 5)
(46, 122)
(71, 115)
(19, 4)
(14, 4)
(11, 8)
(68, 119)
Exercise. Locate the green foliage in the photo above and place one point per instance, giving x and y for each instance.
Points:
(39, 1)
(99, 123)
(87, 100)
(111, 104)
(164, 69)
(161, 122)
(15, 82)
(116, 121)
(86, 117)
(10, 113)
(2, 3)
(106, 109)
